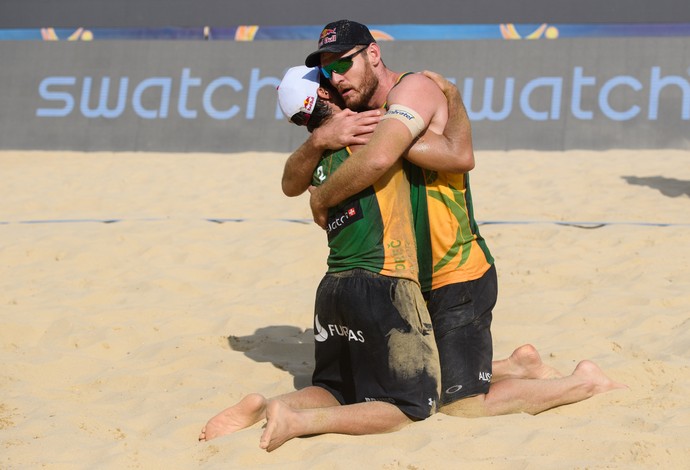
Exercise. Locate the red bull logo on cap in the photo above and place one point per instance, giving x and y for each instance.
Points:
(309, 103)
(328, 35)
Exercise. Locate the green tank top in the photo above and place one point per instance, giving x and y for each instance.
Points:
(372, 230)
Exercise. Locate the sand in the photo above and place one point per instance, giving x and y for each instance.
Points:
(141, 293)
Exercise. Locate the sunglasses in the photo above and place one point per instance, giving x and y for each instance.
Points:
(341, 65)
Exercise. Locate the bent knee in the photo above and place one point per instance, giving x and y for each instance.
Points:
(470, 407)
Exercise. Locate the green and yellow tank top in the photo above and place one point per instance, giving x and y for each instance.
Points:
(449, 246)
(372, 230)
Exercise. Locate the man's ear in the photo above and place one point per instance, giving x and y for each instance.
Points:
(323, 93)
(374, 54)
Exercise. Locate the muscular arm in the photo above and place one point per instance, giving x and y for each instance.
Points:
(388, 143)
(452, 151)
(345, 128)
(299, 167)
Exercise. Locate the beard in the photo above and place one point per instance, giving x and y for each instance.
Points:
(359, 100)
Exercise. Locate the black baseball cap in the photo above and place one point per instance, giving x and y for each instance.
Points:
(339, 36)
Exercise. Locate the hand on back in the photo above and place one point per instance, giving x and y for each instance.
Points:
(448, 88)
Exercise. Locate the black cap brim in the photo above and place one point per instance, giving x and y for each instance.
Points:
(314, 59)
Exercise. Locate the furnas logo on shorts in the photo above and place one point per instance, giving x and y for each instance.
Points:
(321, 334)
(345, 215)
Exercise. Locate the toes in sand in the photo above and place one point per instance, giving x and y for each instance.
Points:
(251, 409)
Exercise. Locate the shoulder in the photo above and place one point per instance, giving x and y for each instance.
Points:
(419, 93)
(416, 90)
(415, 84)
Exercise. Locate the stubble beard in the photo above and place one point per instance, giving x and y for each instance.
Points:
(361, 98)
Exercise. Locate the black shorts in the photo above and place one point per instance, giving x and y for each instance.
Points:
(375, 342)
(461, 314)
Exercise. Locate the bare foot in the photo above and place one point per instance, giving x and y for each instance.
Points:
(249, 410)
(593, 374)
(524, 363)
(281, 425)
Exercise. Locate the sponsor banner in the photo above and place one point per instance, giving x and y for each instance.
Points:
(397, 32)
(215, 96)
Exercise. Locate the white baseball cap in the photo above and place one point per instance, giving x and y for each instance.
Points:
(298, 90)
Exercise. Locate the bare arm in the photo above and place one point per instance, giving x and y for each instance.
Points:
(299, 168)
(452, 151)
(345, 128)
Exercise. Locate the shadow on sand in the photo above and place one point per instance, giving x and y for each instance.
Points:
(670, 187)
(287, 347)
